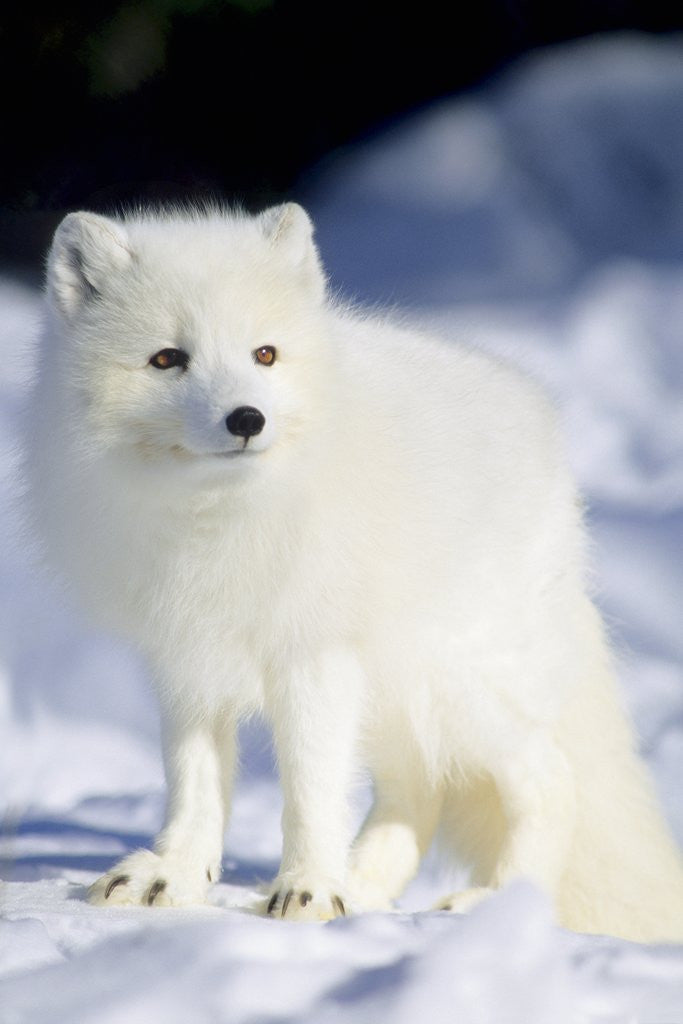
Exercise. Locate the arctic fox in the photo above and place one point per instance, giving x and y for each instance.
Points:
(367, 535)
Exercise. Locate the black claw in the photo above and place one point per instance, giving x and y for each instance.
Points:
(119, 880)
(208, 875)
(338, 905)
(305, 898)
(273, 901)
(154, 891)
(285, 902)
(446, 906)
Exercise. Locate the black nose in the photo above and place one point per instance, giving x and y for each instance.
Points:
(245, 421)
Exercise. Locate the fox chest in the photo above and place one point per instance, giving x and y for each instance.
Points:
(236, 600)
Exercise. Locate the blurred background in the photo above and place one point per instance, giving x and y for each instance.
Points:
(118, 102)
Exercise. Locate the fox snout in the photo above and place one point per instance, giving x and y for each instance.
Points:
(245, 421)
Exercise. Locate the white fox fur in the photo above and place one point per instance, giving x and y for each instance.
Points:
(391, 570)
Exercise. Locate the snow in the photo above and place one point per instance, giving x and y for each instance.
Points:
(542, 218)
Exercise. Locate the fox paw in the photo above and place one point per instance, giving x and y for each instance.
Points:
(300, 903)
(149, 879)
(461, 902)
(368, 895)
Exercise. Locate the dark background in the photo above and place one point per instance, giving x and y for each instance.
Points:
(121, 102)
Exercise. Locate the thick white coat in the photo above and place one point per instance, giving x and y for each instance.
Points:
(391, 571)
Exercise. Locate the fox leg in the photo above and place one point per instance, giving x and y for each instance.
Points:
(314, 713)
(536, 801)
(395, 836)
(187, 853)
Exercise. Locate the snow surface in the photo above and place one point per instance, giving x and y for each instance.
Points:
(542, 218)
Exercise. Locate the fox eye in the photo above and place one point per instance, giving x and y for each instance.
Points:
(265, 355)
(169, 357)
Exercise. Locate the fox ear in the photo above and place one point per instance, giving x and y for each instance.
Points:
(289, 229)
(86, 249)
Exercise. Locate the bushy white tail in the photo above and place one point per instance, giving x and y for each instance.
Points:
(624, 875)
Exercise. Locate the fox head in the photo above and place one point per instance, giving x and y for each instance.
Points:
(187, 339)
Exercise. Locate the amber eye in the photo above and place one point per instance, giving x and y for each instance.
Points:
(169, 357)
(265, 356)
